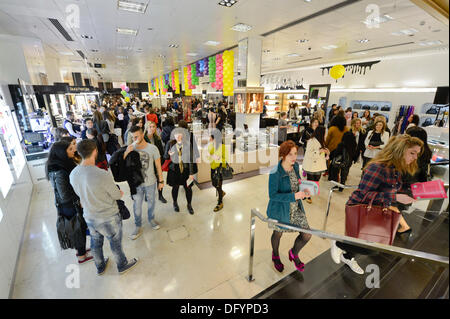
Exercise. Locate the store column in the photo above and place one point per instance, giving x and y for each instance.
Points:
(249, 72)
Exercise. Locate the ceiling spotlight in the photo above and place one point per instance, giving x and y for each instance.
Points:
(266, 51)
(377, 20)
(241, 27)
(127, 31)
(94, 50)
(227, 3)
(131, 6)
(302, 41)
(363, 40)
(161, 56)
(292, 55)
(212, 43)
(124, 48)
(87, 37)
(139, 50)
(405, 32)
(430, 43)
(330, 47)
(173, 45)
(122, 57)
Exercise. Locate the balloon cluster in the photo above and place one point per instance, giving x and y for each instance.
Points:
(187, 84)
(124, 92)
(228, 73)
(202, 67)
(212, 69)
(163, 85)
(219, 72)
(195, 80)
(166, 81)
(172, 80)
(176, 77)
(190, 85)
(198, 69)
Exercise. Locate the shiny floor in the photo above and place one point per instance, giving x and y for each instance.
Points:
(199, 256)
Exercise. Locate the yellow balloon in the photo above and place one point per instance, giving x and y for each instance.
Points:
(337, 71)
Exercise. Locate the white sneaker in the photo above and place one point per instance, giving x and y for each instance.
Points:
(353, 265)
(336, 252)
(137, 232)
(154, 225)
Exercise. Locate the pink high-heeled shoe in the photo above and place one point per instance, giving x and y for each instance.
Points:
(292, 258)
(280, 266)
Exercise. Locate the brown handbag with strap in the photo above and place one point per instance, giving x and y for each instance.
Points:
(372, 223)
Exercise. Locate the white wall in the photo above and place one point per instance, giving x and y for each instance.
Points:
(12, 61)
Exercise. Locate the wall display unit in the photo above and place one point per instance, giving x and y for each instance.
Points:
(274, 104)
(319, 94)
(434, 114)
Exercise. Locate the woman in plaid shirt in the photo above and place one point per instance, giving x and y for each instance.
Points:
(382, 179)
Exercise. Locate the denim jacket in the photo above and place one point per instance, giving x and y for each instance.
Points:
(281, 195)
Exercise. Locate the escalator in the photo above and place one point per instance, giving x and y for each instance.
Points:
(400, 277)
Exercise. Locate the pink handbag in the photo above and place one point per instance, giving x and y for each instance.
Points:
(429, 190)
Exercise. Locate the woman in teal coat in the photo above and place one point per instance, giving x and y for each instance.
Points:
(285, 204)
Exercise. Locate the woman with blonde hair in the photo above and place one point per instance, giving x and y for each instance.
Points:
(320, 116)
(382, 182)
(360, 135)
(375, 141)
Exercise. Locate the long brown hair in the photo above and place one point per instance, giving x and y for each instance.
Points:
(394, 153)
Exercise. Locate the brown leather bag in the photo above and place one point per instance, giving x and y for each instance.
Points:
(372, 223)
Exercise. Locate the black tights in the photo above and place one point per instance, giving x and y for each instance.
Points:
(220, 192)
(300, 242)
(188, 191)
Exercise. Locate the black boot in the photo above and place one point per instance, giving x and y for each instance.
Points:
(190, 209)
(175, 207)
(161, 197)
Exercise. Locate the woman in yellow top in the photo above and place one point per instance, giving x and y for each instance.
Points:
(218, 156)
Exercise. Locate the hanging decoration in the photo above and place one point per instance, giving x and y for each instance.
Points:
(156, 83)
(219, 72)
(176, 78)
(150, 88)
(124, 92)
(172, 80)
(337, 72)
(162, 85)
(212, 70)
(228, 73)
(187, 85)
(195, 80)
(191, 85)
(360, 68)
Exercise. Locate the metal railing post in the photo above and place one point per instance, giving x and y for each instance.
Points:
(252, 247)
(328, 208)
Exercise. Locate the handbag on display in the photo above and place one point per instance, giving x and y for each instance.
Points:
(386, 108)
(366, 107)
(427, 122)
(305, 97)
(292, 97)
(372, 223)
(432, 110)
(374, 108)
(357, 106)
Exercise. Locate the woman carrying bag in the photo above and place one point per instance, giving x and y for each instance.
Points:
(316, 156)
(379, 193)
(71, 225)
(218, 158)
(375, 141)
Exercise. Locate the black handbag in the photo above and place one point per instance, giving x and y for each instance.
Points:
(357, 106)
(386, 108)
(432, 110)
(427, 122)
(123, 210)
(366, 107)
(71, 232)
(226, 172)
(374, 108)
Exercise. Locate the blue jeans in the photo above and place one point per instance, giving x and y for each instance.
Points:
(112, 230)
(150, 193)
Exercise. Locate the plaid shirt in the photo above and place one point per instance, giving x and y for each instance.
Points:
(383, 181)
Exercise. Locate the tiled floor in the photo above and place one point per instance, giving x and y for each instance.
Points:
(210, 261)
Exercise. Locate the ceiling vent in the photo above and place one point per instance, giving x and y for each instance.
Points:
(81, 54)
(385, 47)
(294, 62)
(61, 29)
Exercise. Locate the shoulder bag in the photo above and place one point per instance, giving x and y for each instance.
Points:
(372, 223)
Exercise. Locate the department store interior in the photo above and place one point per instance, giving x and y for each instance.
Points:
(326, 92)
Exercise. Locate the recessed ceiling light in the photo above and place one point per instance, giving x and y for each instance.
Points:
(227, 3)
(173, 45)
(359, 53)
(405, 32)
(192, 54)
(122, 57)
(363, 40)
(87, 37)
(132, 6)
(124, 48)
(377, 20)
(302, 41)
(139, 50)
(330, 47)
(162, 56)
(266, 51)
(94, 50)
(66, 53)
(293, 55)
(212, 43)
(276, 59)
(127, 31)
(241, 27)
(430, 43)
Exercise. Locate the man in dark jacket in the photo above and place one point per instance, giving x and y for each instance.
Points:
(168, 127)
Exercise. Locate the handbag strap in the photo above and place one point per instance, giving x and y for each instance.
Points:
(374, 194)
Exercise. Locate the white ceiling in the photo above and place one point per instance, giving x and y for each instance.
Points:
(190, 24)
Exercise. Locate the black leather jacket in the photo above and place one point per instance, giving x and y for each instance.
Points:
(64, 194)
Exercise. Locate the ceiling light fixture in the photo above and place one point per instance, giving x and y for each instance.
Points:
(66, 53)
(292, 55)
(87, 37)
(127, 31)
(330, 47)
(212, 43)
(430, 43)
(192, 54)
(227, 3)
(132, 6)
(405, 32)
(173, 45)
(266, 51)
(124, 48)
(241, 27)
(162, 56)
(377, 20)
(94, 50)
(302, 41)
(122, 57)
(363, 40)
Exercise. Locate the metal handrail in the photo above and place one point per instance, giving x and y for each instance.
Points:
(392, 250)
(335, 187)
